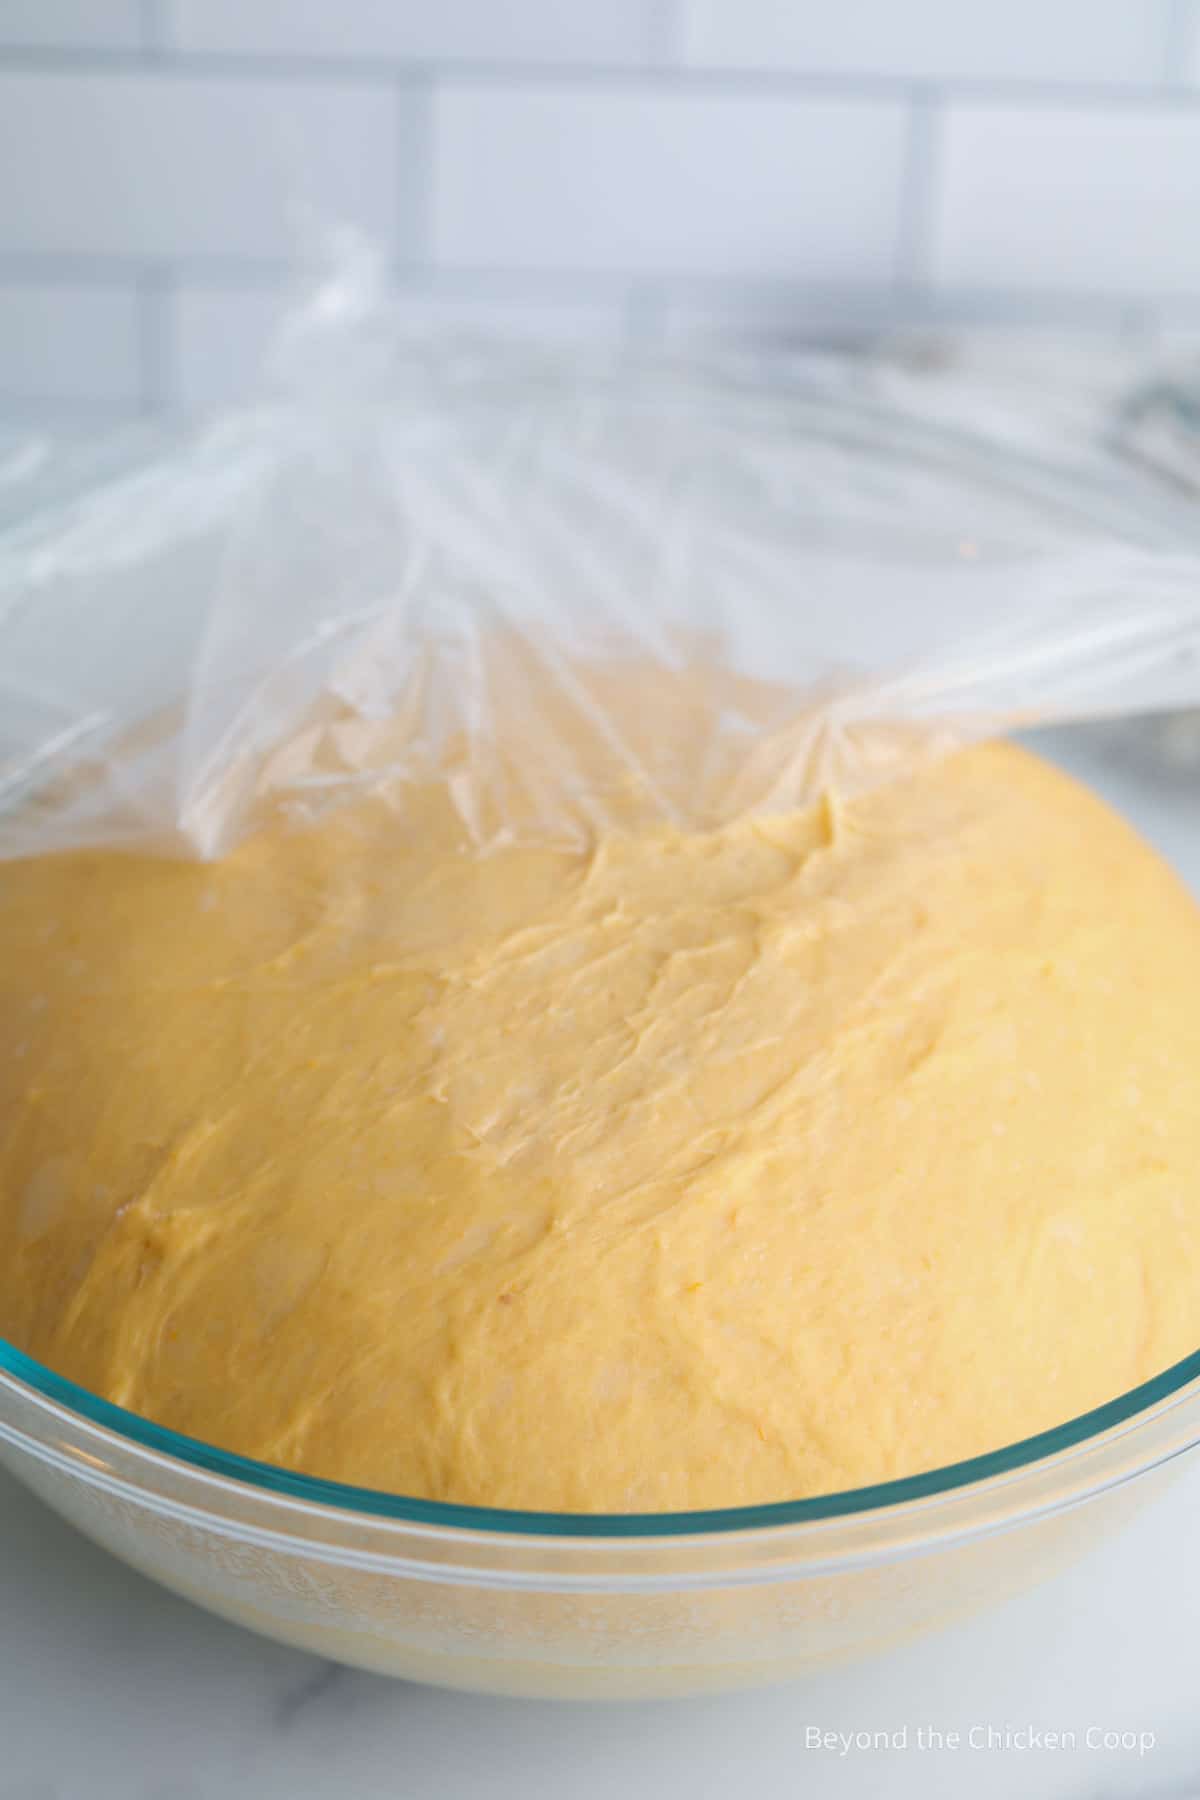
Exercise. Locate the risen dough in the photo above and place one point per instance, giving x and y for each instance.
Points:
(700, 1171)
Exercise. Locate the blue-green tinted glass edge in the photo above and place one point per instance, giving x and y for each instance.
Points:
(503, 1522)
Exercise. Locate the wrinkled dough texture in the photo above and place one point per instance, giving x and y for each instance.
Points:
(698, 1170)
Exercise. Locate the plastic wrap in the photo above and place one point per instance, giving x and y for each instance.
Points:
(583, 590)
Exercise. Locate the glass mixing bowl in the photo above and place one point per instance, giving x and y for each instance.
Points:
(631, 1605)
(546, 1604)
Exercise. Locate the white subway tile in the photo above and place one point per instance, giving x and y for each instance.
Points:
(221, 336)
(217, 344)
(1121, 41)
(613, 31)
(664, 181)
(1069, 198)
(62, 343)
(70, 24)
(171, 165)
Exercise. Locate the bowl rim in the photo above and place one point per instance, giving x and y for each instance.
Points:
(1080, 1435)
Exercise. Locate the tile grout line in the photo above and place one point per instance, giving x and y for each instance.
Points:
(153, 29)
(413, 104)
(861, 87)
(74, 408)
(551, 284)
(921, 171)
(664, 35)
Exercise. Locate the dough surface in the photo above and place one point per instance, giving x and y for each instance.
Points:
(697, 1171)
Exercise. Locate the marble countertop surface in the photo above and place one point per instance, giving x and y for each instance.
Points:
(111, 1689)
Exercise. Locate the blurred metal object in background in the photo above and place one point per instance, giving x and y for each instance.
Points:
(1126, 411)
(1157, 427)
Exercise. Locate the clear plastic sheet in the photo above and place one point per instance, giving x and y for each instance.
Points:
(585, 591)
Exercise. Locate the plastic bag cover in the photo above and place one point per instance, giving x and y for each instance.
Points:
(583, 590)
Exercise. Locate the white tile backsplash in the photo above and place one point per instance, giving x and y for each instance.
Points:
(1071, 198)
(673, 171)
(173, 165)
(503, 31)
(1118, 41)
(221, 335)
(70, 24)
(660, 181)
(62, 343)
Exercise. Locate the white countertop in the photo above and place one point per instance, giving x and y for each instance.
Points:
(111, 1689)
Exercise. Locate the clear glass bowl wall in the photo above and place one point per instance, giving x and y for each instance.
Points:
(575, 1606)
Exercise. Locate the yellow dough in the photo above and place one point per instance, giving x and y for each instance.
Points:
(694, 1171)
